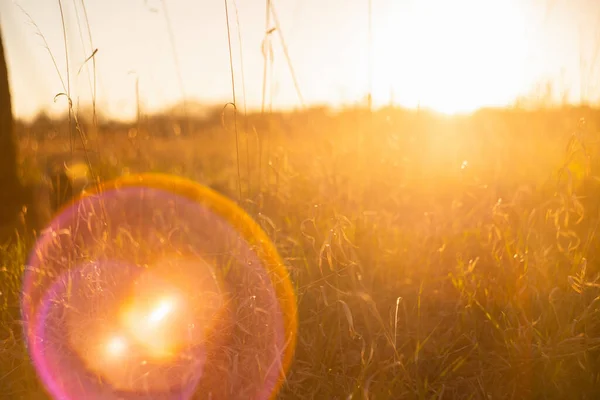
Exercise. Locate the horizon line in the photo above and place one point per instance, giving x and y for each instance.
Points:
(209, 107)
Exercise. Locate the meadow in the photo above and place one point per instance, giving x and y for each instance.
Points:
(433, 257)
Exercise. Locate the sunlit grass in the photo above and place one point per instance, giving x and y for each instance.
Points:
(433, 257)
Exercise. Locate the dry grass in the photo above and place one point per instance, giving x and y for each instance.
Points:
(433, 257)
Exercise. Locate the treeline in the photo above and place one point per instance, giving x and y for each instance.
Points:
(320, 120)
(165, 124)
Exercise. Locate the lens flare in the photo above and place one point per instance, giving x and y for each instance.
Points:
(116, 346)
(164, 308)
(154, 286)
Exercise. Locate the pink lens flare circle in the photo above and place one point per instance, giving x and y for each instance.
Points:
(155, 288)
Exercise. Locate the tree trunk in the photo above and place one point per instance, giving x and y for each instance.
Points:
(13, 196)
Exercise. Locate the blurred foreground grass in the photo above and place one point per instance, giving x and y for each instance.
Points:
(433, 257)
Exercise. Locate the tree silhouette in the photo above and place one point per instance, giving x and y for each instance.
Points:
(23, 209)
(12, 192)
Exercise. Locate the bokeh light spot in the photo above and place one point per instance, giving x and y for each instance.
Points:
(158, 287)
(116, 346)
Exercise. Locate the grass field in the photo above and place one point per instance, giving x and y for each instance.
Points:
(433, 257)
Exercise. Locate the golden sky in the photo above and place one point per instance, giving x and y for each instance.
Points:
(450, 55)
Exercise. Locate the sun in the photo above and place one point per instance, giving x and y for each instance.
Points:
(451, 56)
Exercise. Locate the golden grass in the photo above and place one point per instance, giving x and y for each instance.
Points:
(432, 257)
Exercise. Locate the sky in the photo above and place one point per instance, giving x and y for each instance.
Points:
(449, 55)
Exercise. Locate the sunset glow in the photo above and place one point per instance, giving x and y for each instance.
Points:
(460, 55)
(449, 56)
(269, 199)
